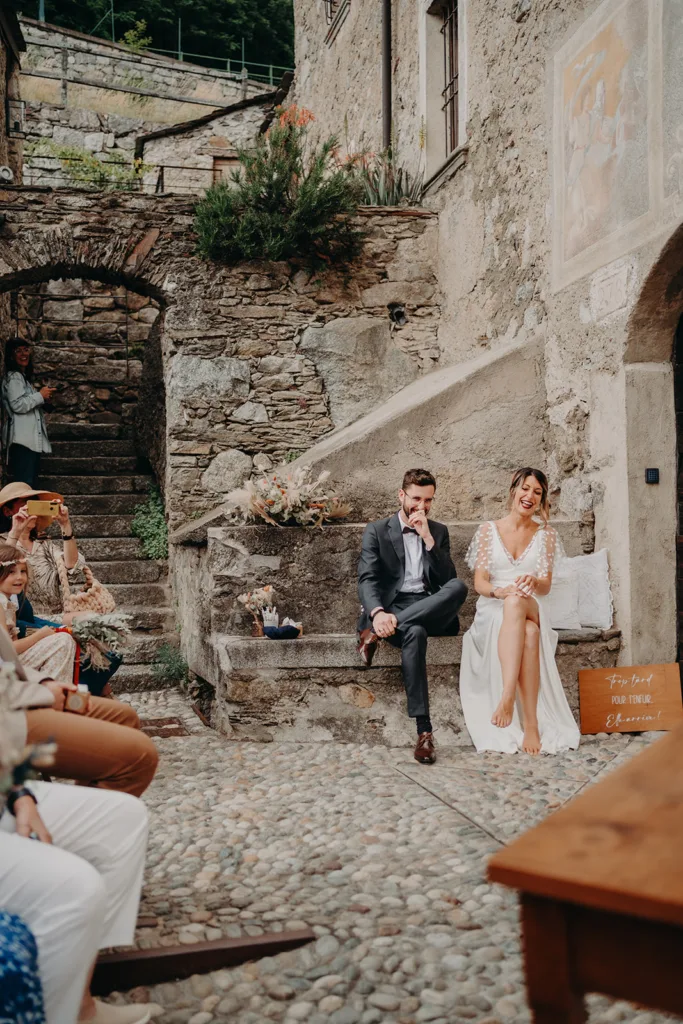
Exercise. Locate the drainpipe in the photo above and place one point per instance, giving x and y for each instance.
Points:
(386, 74)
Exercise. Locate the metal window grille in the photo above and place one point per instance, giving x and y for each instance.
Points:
(449, 30)
(330, 10)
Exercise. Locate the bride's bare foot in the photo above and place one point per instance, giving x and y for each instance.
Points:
(531, 741)
(502, 716)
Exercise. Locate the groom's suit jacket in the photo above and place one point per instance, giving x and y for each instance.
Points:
(382, 564)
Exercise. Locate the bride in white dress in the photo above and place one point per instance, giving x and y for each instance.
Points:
(511, 692)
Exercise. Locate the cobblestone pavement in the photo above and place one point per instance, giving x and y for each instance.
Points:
(383, 858)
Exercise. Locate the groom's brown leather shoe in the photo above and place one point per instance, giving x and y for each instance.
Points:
(367, 645)
(424, 748)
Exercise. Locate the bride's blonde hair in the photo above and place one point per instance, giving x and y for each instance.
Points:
(518, 479)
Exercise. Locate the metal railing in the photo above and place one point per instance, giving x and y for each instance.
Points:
(235, 66)
(153, 179)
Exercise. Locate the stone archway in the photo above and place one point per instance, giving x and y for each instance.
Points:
(651, 443)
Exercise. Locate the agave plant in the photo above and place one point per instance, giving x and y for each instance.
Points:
(384, 181)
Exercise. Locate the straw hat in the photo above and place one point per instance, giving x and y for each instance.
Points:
(12, 492)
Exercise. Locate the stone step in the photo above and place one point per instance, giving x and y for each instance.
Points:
(143, 647)
(129, 595)
(92, 449)
(53, 465)
(103, 504)
(314, 689)
(110, 549)
(102, 526)
(134, 678)
(140, 571)
(154, 621)
(87, 431)
(98, 484)
(339, 649)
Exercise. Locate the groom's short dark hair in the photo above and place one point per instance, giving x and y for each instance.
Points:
(418, 478)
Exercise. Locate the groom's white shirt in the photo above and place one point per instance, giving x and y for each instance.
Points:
(413, 581)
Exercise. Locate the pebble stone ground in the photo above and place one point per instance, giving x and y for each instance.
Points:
(383, 858)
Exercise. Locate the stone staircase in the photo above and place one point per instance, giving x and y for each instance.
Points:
(96, 468)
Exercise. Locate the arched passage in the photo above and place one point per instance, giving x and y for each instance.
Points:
(97, 336)
(653, 365)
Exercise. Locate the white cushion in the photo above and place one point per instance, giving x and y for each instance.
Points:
(562, 603)
(595, 594)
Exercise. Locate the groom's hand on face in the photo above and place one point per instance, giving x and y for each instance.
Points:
(384, 625)
(418, 520)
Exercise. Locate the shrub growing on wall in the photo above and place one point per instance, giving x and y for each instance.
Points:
(286, 202)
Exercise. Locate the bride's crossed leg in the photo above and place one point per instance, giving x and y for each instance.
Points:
(519, 654)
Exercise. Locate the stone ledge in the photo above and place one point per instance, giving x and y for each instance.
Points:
(338, 650)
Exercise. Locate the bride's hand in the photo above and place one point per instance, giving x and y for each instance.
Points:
(509, 591)
(526, 585)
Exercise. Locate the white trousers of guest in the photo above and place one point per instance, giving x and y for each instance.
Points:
(80, 894)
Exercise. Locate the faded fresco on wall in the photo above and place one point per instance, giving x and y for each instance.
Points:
(605, 130)
(617, 134)
(672, 103)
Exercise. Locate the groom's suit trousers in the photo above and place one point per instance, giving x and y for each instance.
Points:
(420, 616)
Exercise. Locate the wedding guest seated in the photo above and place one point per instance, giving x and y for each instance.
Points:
(21, 994)
(71, 865)
(103, 747)
(45, 649)
(96, 679)
(42, 553)
(28, 533)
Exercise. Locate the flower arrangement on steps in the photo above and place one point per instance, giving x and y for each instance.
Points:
(266, 621)
(287, 497)
(256, 603)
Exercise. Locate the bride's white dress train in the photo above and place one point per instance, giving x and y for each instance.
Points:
(481, 681)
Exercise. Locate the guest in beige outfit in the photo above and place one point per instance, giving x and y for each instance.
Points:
(104, 746)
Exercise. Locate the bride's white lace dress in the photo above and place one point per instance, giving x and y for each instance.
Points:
(481, 682)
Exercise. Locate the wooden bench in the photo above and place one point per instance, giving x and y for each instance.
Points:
(601, 888)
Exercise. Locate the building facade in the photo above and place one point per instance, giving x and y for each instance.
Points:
(550, 138)
(11, 125)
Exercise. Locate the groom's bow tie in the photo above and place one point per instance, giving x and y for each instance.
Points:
(409, 529)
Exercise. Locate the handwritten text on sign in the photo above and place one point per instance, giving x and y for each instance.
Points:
(632, 699)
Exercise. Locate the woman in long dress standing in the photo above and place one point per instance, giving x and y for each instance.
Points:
(511, 691)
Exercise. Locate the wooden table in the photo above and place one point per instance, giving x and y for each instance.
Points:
(601, 888)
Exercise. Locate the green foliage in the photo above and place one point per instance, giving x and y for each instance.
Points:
(82, 168)
(149, 524)
(135, 38)
(386, 183)
(212, 27)
(284, 203)
(171, 668)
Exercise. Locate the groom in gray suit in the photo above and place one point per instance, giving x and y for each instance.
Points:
(409, 590)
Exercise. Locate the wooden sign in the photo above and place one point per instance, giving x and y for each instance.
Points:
(630, 699)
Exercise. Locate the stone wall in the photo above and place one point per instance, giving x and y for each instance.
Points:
(248, 361)
(553, 220)
(89, 341)
(88, 94)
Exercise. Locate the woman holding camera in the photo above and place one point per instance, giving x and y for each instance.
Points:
(25, 434)
(41, 552)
